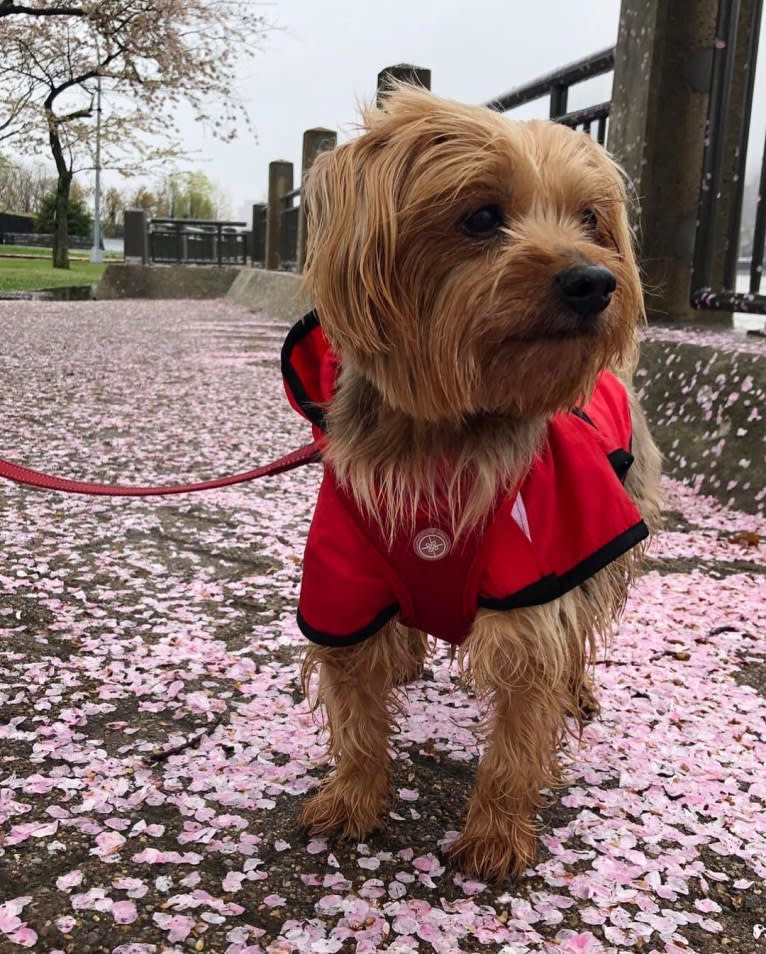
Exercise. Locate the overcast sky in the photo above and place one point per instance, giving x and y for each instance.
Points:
(326, 54)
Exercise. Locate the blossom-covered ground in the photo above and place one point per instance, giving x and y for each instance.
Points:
(155, 747)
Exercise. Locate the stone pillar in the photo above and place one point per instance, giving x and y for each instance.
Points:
(136, 236)
(657, 131)
(314, 141)
(280, 183)
(403, 73)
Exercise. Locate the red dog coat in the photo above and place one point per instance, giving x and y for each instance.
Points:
(569, 518)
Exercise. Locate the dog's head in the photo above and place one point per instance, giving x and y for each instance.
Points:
(465, 263)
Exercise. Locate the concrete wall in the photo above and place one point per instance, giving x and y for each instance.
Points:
(274, 293)
(165, 281)
(705, 396)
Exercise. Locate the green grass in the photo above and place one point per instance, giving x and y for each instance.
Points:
(19, 274)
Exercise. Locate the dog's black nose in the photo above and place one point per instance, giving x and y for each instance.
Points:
(586, 289)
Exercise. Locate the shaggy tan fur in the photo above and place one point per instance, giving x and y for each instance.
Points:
(455, 353)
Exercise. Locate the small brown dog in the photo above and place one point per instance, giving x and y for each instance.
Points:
(475, 278)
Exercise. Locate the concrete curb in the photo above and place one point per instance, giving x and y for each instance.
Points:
(273, 293)
(165, 281)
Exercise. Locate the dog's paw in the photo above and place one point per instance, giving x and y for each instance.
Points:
(588, 706)
(494, 855)
(343, 809)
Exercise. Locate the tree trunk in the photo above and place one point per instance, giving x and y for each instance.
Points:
(61, 226)
(63, 185)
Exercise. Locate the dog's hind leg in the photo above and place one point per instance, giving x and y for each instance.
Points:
(357, 690)
(520, 663)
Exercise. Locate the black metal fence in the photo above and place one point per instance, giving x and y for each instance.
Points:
(711, 288)
(556, 86)
(197, 242)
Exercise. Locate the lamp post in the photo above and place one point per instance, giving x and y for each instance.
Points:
(96, 253)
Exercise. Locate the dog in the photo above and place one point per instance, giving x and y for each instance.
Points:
(489, 477)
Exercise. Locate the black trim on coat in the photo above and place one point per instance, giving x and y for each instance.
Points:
(551, 587)
(350, 639)
(621, 461)
(578, 412)
(295, 335)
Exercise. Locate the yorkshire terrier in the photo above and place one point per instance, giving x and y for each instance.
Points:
(489, 477)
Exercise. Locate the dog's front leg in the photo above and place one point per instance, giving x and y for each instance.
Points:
(521, 665)
(417, 651)
(357, 689)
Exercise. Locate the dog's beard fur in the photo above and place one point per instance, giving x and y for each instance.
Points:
(456, 351)
(396, 465)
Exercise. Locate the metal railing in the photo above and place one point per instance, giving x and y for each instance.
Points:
(197, 242)
(556, 86)
(719, 291)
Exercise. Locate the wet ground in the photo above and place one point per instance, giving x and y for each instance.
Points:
(155, 747)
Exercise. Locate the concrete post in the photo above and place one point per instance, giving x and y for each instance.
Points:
(280, 183)
(404, 73)
(657, 131)
(314, 141)
(136, 236)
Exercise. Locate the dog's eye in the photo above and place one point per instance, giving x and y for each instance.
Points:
(484, 222)
(589, 220)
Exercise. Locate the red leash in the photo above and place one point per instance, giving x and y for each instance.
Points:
(34, 478)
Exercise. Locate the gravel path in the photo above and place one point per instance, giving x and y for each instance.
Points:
(154, 745)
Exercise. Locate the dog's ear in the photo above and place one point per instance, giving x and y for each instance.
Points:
(351, 199)
(625, 237)
(629, 278)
